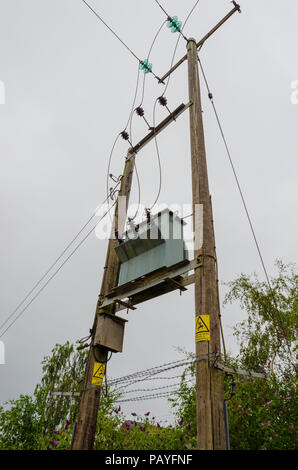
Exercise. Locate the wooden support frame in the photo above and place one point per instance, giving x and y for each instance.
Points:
(160, 127)
(139, 285)
(201, 42)
(85, 427)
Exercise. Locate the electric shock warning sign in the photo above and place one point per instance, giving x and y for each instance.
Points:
(98, 373)
(202, 328)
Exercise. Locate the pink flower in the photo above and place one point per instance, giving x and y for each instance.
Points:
(268, 403)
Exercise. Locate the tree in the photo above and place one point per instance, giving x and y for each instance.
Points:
(267, 337)
(30, 418)
(262, 412)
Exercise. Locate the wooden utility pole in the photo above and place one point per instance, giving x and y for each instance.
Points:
(210, 400)
(86, 424)
(209, 380)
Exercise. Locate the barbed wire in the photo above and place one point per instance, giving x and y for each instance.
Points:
(149, 397)
(155, 388)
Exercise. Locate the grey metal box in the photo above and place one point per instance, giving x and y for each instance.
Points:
(110, 332)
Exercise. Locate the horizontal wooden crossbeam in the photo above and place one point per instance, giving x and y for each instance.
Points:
(201, 42)
(139, 290)
(154, 132)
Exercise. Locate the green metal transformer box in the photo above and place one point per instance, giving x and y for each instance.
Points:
(151, 246)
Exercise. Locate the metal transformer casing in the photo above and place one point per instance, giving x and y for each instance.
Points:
(155, 245)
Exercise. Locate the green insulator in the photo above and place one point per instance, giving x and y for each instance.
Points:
(145, 66)
(174, 24)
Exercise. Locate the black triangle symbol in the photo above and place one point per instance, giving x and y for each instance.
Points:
(201, 326)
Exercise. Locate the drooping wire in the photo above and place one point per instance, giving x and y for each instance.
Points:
(154, 108)
(148, 56)
(118, 135)
(158, 158)
(54, 274)
(177, 42)
(53, 264)
(210, 95)
(170, 18)
(132, 114)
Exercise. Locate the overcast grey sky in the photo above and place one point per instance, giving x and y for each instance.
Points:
(69, 87)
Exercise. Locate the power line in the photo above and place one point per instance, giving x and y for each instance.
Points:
(210, 95)
(112, 31)
(170, 19)
(54, 274)
(116, 35)
(91, 217)
(148, 56)
(53, 264)
(177, 42)
(154, 108)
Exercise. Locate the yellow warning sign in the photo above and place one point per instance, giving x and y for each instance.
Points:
(202, 328)
(98, 373)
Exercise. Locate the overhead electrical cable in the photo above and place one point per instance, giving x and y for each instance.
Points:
(148, 57)
(112, 31)
(177, 42)
(118, 135)
(172, 22)
(109, 196)
(52, 265)
(53, 275)
(141, 112)
(141, 62)
(210, 95)
(160, 100)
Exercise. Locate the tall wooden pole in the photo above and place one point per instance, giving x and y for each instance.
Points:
(86, 424)
(209, 380)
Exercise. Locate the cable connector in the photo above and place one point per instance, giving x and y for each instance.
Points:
(114, 178)
(210, 96)
(140, 111)
(238, 8)
(162, 100)
(124, 135)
